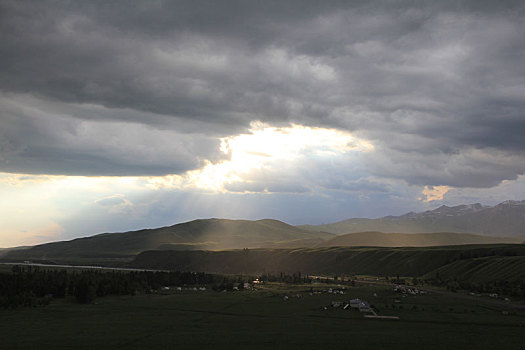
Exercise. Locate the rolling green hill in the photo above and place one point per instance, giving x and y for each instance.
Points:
(482, 270)
(380, 239)
(211, 234)
(221, 234)
(362, 260)
(5, 251)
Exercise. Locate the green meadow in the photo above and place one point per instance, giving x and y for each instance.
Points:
(265, 319)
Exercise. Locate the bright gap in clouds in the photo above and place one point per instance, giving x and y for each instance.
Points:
(434, 193)
(264, 148)
(35, 206)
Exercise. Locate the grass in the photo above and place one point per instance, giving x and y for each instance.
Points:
(262, 320)
(486, 269)
(407, 261)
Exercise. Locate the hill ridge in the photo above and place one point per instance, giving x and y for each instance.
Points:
(381, 239)
(214, 234)
(504, 219)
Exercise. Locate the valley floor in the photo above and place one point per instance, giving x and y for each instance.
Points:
(276, 316)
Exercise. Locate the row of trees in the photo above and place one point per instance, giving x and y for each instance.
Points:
(298, 278)
(514, 288)
(32, 286)
(295, 278)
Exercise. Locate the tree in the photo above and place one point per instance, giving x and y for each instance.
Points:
(85, 291)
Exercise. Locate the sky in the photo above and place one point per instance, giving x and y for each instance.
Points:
(118, 115)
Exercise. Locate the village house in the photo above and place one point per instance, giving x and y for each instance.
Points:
(361, 305)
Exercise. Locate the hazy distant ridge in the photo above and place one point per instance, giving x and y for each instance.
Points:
(202, 234)
(504, 219)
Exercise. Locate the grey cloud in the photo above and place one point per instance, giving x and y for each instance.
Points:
(40, 142)
(362, 185)
(476, 168)
(428, 82)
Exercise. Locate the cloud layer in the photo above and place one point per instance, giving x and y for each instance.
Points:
(100, 88)
(437, 85)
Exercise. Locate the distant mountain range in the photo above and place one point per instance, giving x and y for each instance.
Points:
(206, 234)
(506, 219)
(444, 226)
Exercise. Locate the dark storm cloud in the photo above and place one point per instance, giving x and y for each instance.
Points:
(438, 87)
(35, 140)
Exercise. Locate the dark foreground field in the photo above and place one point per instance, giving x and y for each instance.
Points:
(262, 319)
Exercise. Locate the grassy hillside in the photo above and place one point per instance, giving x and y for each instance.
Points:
(405, 225)
(380, 239)
(199, 234)
(365, 260)
(381, 225)
(4, 251)
(482, 270)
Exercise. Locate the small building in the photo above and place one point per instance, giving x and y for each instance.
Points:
(354, 303)
(365, 307)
